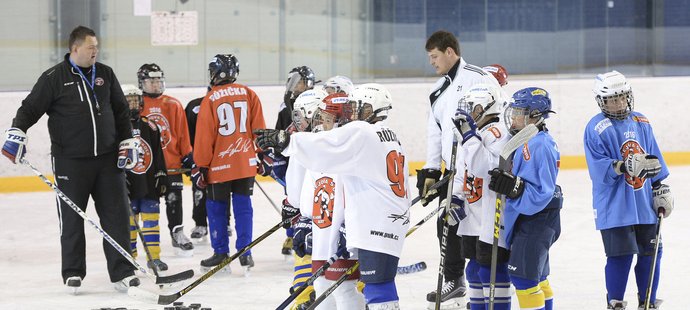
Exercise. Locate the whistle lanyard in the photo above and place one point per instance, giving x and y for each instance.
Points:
(90, 84)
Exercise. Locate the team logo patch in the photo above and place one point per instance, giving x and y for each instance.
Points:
(628, 148)
(525, 153)
(145, 157)
(538, 92)
(324, 193)
(99, 81)
(473, 188)
(163, 126)
(640, 119)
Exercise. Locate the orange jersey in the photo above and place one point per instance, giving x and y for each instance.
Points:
(224, 140)
(167, 113)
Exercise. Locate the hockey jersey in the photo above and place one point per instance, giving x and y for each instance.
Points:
(371, 164)
(537, 163)
(224, 141)
(192, 111)
(620, 200)
(481, 155)
(141, 182)
(167, 113)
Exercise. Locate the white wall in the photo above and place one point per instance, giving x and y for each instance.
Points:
(662, 100)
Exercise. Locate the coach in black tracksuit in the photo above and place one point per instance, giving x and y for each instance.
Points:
(88, 118)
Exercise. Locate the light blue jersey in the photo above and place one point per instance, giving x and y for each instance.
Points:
(537, 164)
(620, 200)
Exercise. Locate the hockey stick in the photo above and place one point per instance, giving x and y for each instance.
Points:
(519, 139)
(157, 279)
(179, 170)
(269, 198)
(446, 227)
(414, 268)
(436, 185)
(143, 242)
(650, 281)
(151, 297)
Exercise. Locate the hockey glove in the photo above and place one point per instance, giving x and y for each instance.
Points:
(457, 210)
(639, 165)
(188, 164)
(274, 165)
(467, 127)
(272, 138)
(504, 182)
(199, 177)
(425, 179)
(161, 182)
(14, 147)
(301, 240)
(663, 200)
(130, 153)
(342, 242)
(288, 213)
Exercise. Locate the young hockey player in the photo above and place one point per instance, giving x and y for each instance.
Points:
(147, 181)
(319, 196)
(457, 76)
(532, 210)
(200, 231)
(167, 113)
(300, 79)
(483, 134)
(626, 168)
(224, 150)
(369, 161)
(338, 84)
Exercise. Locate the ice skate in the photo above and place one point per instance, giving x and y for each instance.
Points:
(247, 262)
(157, 264)
(126, 283)
(73, 284)
(183, 247)
(452, 295)
(199, 234)
(213, 261)
(655, 305)
(287, 248)
(617, 304)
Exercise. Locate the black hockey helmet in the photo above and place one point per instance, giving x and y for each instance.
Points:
(223, 69)
(151, 71)
(306, 74)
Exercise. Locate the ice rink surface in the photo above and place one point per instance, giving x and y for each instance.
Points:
(30, 257)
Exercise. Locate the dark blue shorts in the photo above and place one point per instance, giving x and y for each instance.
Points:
(376, 267)
(532, 238)
(627, 240)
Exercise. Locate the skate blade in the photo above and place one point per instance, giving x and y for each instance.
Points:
(225, 269)
(183, 253)
(73, 290)
(458, 303)
(202, 240)
(247, 271)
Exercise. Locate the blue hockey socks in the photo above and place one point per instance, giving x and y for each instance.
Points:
(242, 208)
(617, 270)
(217, 211)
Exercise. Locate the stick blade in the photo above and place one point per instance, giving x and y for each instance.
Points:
(187, 274)
(519, 139)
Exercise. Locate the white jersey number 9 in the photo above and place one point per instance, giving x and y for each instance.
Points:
(226, 117)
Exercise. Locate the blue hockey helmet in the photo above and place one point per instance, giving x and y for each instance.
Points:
(530, 105)
(223, 69)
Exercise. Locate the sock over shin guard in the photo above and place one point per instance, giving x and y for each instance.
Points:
(218, 225)
(242, 208)
(475, 292)
(377, 293)
(301, 274)
(642, 268)
(502, 292)
(617, 270)
(548, 294)
(529, 293)
(133, 235)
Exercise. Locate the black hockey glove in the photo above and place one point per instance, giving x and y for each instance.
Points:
(425, 179)
(272, 138)
(199, 177)
(504, 182)
(288, 213)
(301, 240)
(161, 182)
(188, 164)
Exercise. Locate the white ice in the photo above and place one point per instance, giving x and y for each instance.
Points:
(30, 257)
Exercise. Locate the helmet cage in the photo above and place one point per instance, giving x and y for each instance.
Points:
(610, 109)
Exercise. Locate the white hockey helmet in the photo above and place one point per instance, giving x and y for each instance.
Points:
(614, 95)
(135, 101)
(370, 102)
(481, 95)
(305, 106)
(339, 84)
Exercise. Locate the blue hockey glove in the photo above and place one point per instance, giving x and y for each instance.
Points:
(14, 147)
(465, 124)
(456, 210)
(130, 153)
(342, 242)
(272, 138)
(301, 240)
(188, 163)
(274, 165)
(199, 177)
(504, 182)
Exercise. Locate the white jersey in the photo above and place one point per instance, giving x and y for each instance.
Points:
(371, 165)
(444, 98)
(480, 156)
(319, 197)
